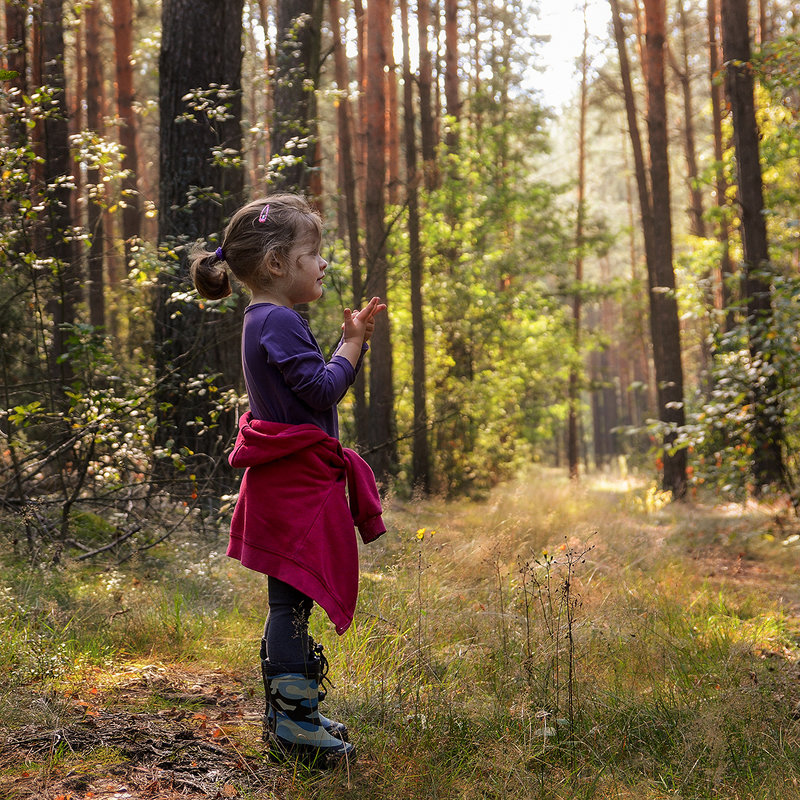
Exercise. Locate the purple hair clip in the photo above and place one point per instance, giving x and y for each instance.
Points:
(262, 217)
(219, 254)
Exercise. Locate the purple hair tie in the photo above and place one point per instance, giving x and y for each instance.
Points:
(219, 254)
(262, 217)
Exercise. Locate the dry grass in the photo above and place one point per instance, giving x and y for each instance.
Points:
(667, 633)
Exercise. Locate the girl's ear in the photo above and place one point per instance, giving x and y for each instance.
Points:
(275, 266)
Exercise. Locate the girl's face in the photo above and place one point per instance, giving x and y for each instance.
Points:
(306, 270)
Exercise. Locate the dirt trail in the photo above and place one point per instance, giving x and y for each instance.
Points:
(205, 741)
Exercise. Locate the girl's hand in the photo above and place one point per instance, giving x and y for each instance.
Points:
(359, 325)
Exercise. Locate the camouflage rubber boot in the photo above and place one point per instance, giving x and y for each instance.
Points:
(295, 728)
(317, 664)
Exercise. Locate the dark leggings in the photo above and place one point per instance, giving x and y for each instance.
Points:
(286, 628)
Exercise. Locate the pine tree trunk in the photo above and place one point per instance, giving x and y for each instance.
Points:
(56, 166)
(191, 342)
(657, 229)
(392, 120)
(420, 459)
(360, 126)
(697, 225)
(381, 427)
(663, 301)
(768, 414)
(16, 61)
(123, 48)
(425, 82)
(574, 390)
(451, 92)
(77, 82)
(344, 118)
(725, 274)
(297, 62)
(95, 202)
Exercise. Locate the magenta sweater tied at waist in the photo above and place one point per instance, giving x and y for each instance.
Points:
(300, 497)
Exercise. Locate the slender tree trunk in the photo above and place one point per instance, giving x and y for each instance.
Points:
(96, 199)
(641, 361)
(56, 166)
(697, 225)
(657, 229)
(420, 459)
(190, 342)
(361, 76)
(16, 61)
(392, 119)
(269, 105)
(574, 389)
(425, 82)
(381, 426)
(451, 91)
(437, 73)
(664, 304)
(297, 62)
(123, 48)
(476, 111)
(344, 118)
(610, 366)
(725, 270)
(77, 122)
(764, 32)
(642, 185)
(768, 413)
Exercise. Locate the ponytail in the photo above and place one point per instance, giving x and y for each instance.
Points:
(209, 274)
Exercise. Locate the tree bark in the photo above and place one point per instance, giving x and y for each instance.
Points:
(344, 119)
(663, 302)
(381, 426)
(16, 61)
(425, 82)
(657, 230)
(361, 75)
(451, 92)
(768, 466)
(96, 198)
(697, 225)
(392, 119)
(195, 198)
(420, 457)
(725, 270)
(122, 11)
(574, 389)
(58, 244)
(296, 76)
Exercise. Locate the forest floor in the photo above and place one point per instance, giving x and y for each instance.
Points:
(550, 641)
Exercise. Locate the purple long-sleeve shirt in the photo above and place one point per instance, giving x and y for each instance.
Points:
(287, 378)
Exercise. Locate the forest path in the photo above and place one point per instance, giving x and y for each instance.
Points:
(143, 731)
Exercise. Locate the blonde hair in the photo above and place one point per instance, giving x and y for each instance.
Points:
(254, 235)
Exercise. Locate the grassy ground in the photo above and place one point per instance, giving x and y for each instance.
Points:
(551, 642)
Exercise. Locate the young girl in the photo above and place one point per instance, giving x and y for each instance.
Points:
(294, 520)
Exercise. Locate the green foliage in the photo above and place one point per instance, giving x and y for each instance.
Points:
(78, 421)
(752, 360)
(494, 246)
(720, 428)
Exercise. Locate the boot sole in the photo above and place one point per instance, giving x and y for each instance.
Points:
(280, 751)
(339, 733)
